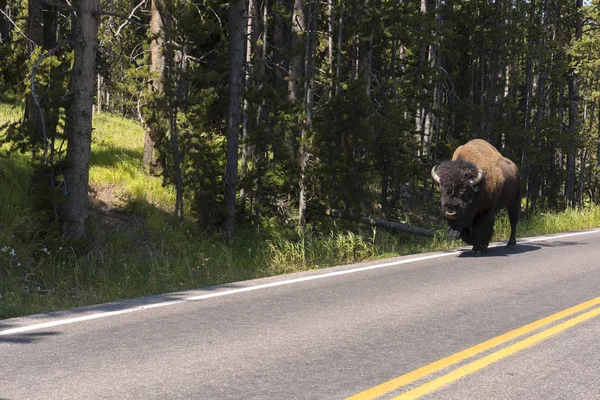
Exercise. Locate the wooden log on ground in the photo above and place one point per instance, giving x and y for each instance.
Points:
(379, 222)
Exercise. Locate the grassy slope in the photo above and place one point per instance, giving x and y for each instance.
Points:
(138, 249)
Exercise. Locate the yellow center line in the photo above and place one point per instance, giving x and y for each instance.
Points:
(496, 356)
(435, 366)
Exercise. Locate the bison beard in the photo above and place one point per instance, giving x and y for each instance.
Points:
(474, 186)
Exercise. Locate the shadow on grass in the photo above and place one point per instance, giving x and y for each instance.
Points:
(110, 156)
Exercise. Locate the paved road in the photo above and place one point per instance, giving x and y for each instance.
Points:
(334, 333)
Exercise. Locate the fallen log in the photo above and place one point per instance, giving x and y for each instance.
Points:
(379, 222)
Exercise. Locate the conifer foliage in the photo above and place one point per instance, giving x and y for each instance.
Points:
(266, 112)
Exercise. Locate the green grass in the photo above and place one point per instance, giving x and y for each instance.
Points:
(137, 248)
(116, 165)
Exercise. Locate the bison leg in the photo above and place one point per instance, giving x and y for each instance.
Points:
(465, 235)
(483, 229)
(514, 209)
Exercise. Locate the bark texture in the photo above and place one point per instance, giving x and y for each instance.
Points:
(157, 68)
(76, 175)
(237, 10)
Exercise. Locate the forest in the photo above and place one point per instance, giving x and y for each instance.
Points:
(281, 114)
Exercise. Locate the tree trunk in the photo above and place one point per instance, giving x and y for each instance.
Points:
(175, 99)
(436, 62)
(420, 113)
(4, 23)
(261, 119)
(304, 155)
(279, 44)
(536, 163)
(296, 69)
(99, 95)
(330, 16)
(237, 10)
(76, 173)
(340, 38)
(384, 190)
(157, 68)
(526, 109)
(35, 34)
(573, 81)
(365, 60)
(297, 58)
(598, 122)
(251, 30)
(279, 73)
(582, 161)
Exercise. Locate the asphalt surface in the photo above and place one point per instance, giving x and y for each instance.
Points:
(325, 334)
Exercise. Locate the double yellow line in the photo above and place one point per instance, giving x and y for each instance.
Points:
(428, 387)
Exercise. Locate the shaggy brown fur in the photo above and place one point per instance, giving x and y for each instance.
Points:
(471, 208)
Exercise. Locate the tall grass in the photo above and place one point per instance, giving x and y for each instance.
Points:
(571, 219)
(137, 248)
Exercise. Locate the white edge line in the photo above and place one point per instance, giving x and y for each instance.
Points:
(265, 286)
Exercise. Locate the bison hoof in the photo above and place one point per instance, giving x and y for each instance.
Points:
(511, 245)
(477, 252)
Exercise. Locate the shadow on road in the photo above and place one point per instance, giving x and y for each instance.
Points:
(24, 338)
(502, 251)
(90, 311)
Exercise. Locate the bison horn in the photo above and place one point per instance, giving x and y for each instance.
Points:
(434, 175)
(478, 178)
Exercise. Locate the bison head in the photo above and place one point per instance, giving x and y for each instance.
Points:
(461, 184)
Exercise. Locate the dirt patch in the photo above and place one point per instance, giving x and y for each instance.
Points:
(105, 197)
(107, 208)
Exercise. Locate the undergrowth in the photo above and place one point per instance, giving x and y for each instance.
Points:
(137, 248)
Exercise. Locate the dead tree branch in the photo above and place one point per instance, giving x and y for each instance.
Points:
(130, 15)
(122, 16)
(15, 26)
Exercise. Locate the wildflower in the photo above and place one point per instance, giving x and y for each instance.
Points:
(12, 252)
(4, 249)
(18, 264)
(45, 250)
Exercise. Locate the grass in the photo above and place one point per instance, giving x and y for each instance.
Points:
(137, 248)
(115, 164)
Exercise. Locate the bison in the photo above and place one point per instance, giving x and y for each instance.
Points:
(474, 186)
